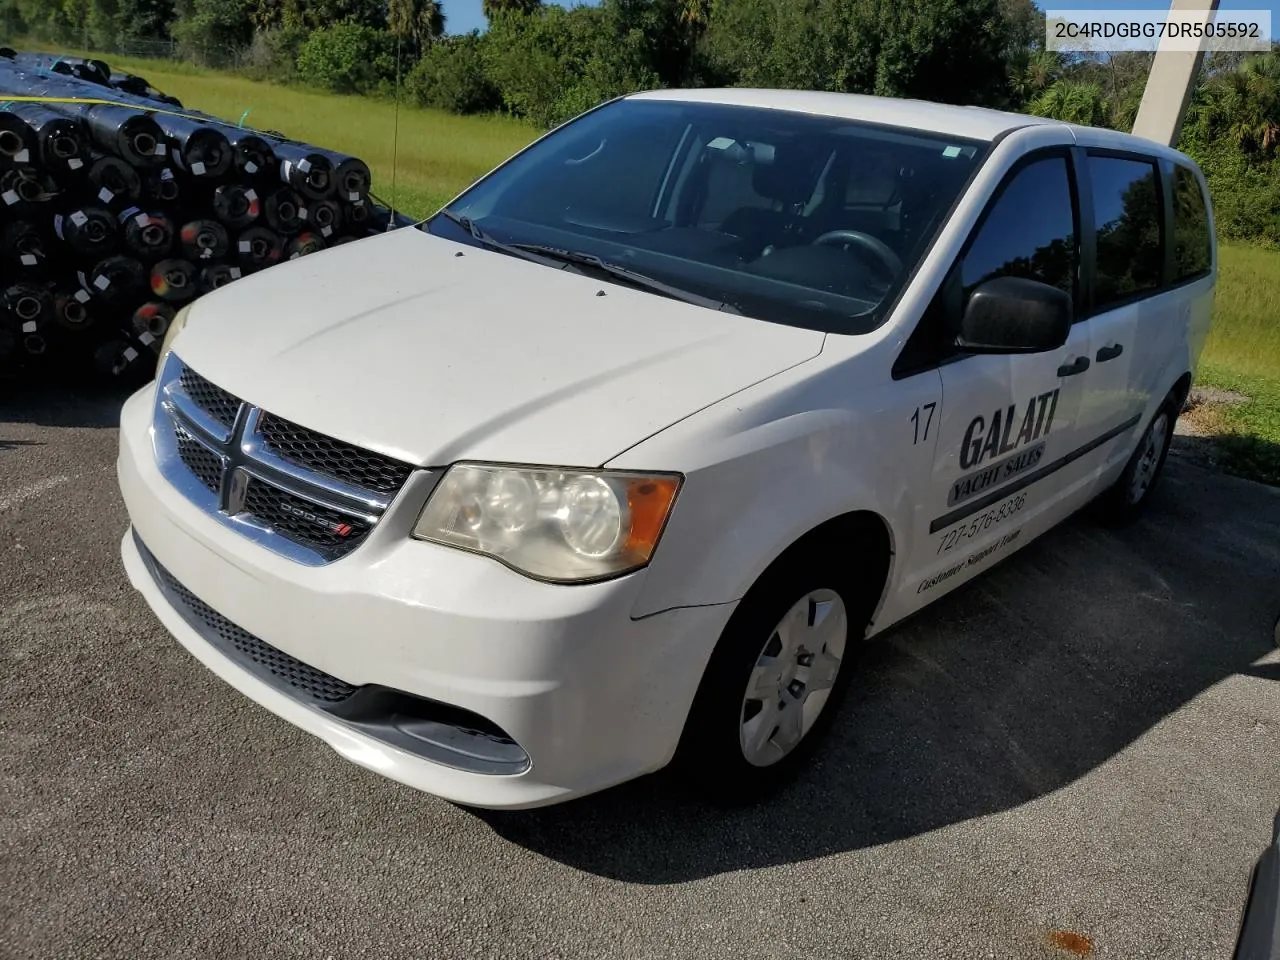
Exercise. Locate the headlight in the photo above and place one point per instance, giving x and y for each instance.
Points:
(562, 525)
(175, 326)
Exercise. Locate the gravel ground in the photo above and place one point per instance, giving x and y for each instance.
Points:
(1081, 751)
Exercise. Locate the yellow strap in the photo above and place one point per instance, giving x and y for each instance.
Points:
(109, 103)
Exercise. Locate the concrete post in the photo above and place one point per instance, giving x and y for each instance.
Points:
(1169, 85)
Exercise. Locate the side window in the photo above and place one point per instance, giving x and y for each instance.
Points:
(1029, 232)
(1130, 241)
(1191, 242)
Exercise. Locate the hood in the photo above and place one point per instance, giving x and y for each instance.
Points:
(431, 351)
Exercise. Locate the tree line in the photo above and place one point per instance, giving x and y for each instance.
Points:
(546, 63)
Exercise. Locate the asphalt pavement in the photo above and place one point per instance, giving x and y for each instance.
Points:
(1080, 752)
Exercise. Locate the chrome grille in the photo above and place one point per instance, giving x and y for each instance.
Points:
(203, 463)
(304, 495)
(345, 462)
(330, 531)
(212, 399)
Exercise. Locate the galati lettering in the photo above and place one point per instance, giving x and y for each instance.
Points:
(986, 438)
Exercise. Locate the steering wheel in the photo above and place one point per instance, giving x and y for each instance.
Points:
(864, 241)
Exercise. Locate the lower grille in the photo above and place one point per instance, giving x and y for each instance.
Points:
(241, 645)
(332, 533)
(439, 732)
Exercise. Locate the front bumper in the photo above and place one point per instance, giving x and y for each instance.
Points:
(592, 696)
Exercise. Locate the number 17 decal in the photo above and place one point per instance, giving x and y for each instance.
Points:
(923, 415)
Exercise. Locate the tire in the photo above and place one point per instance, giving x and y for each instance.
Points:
(794, 635)
(1124, 502)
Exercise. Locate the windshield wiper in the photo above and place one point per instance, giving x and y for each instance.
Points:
(559, 258)
(467, 224)
(626, 275)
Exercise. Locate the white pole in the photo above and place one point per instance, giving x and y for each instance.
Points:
(1172, 78)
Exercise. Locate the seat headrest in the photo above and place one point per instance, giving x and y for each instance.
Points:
(793, 174)
(873, 178)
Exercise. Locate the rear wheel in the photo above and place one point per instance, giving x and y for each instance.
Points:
(775, 680)
(1128, 496)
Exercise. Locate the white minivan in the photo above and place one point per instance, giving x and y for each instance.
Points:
(616, 458)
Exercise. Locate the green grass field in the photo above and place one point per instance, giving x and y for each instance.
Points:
(1245, 339)
(439, 154)
(1243, 354)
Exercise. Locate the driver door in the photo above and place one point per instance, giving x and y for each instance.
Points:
(1009, 424)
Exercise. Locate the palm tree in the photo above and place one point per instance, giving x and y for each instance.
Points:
(1072, 102)
(695, 13)
(1245, 103)
(495, 8)
(1041, 70)
(418, 23)
(1124, 109)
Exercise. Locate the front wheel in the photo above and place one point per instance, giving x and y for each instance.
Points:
(772, 686)
(792, 678)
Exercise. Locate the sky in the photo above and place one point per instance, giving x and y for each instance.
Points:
(464, 15)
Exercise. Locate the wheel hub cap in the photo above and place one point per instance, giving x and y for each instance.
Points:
(793, 676)
(1152, 448)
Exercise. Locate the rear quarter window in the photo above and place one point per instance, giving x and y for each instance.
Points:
(1192, 245)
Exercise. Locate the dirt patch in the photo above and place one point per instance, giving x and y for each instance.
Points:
(1202, 423)
(1202, 415)
(1212, 433)
(1208, 396)
(1204, 420)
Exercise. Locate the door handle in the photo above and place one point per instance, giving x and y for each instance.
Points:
(1071, 369)
(1110, 353)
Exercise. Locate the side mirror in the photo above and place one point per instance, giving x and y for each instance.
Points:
(1015, 315)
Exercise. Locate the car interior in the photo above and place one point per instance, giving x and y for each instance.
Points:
(745, 206)
(838, 213)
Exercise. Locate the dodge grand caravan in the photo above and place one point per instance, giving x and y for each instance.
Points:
(616, 458)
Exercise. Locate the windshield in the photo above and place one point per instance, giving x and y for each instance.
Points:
(792, 218)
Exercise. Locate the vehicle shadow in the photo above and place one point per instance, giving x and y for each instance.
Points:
(64, 401)
(1014, 686)
(1239, 454)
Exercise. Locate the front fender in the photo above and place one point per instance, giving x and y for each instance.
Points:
(753, 494)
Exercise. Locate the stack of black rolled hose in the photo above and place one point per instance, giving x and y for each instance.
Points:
(115, 214)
